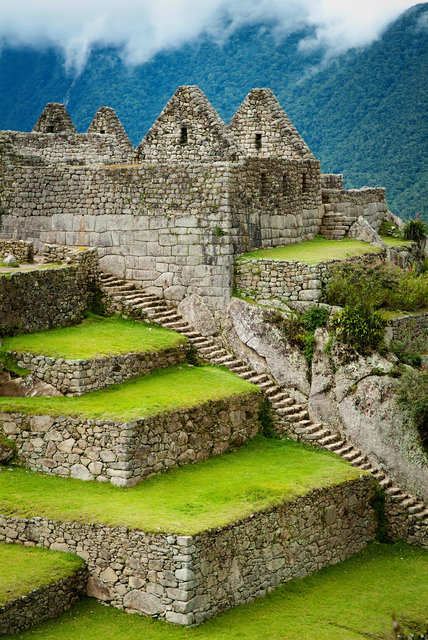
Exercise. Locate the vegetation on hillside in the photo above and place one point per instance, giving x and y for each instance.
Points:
(363, 114)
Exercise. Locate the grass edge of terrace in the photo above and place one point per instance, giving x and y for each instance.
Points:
(186, 500)
(164, 390)
(27, 568)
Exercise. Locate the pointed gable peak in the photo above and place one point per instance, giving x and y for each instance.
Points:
(106, 121)
(188, 128)
(263, 129)
(54, 119)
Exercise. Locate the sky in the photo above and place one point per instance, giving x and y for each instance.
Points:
(142, 28)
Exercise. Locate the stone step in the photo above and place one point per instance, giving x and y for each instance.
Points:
(422, 514)
(316, 435)
(305, 430)
(345, 449)
(233, 364)
(409, 502)
(280, 404)
(359, 461)
(393, 491)
(416, 508)
(399, 497)
(271, 390)
(335, 446)
(121, 287)
(201, 342)
(297, 417)
(154, 306)
(224, 359)
(351, 455)
(257, 378)
(290, 409)
(176, 325)
(209, 348)
(334, 437)
(190, 335)
(386, 482)
(366, 466)
(280, 396)
(215, 353)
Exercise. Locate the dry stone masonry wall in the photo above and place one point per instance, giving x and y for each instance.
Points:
(36, 300)
(187, 579)
(41, 604)
(23, 250)
(74, 377)
(412, 327)
(199, 193)
(125, 452)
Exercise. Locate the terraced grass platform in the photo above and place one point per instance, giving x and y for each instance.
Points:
(36, 584)
(197, 540)
(260, 475)
(354, 600)
(96, 336)
(136, 429)
(173, 388)
(319, 249)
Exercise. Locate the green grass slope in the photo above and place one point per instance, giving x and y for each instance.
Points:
(318, 249)
(354, 600)
(23, 569)
(163, 390)
(95, 336)
(189, 499)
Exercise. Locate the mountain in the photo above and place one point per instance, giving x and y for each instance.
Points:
(363, 114)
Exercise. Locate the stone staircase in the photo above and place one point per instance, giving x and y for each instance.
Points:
(292, 418)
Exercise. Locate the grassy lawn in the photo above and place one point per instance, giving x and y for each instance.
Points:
(163, 390)
(95, 336)
(394, 242)
(389, 315)
(316, 250)
(192, 498)
(23, 569)
(354, 600)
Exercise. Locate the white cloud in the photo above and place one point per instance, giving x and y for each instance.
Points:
(141, 28)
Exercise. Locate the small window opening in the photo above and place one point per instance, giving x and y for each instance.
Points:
(258, 140)
(102, 130)
(305, 182)
(183, 135)
(285, 187)
(263, 184)
(49, 128)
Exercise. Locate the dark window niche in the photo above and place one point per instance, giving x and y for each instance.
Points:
(183, 135)
(285, 185)
(49, 128)
(305, 182)
(263, 184)
(102, 131)
(258, 140)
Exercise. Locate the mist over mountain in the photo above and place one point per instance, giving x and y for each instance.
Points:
(362, 113)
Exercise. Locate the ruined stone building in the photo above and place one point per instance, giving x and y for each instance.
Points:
(172, 214)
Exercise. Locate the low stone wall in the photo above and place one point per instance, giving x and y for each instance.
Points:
(331, 181)
(287, 279)
(23, 250)
(43, 603)
(187, 579)
(45, 299)
(342, 207)
(124, 453)
(62, 253)
(411, 327)
(74, 377)
(403, 525)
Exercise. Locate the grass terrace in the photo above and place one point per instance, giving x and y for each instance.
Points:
(395, 242)
(163, 390)
(95, 336)
(23, 569)
(353, 600)
(319, 249)
(186, 500)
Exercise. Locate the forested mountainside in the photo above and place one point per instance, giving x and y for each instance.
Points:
(364, 114)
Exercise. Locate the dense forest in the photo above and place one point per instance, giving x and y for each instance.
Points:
(363, 114)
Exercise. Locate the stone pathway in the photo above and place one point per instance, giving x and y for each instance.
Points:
(292, 418)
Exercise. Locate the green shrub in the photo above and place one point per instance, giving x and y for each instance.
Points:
(414, 230)
(413, 397)
(411, 293)
(298, 328)
(267, 424)
(360, 326)
(315, 317)
(309, 346)
(389, 229)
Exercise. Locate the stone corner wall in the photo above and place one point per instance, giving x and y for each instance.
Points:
(123, 453)
(413, 328)
(42, 604)
(23, 250)
(331, 181)
(36, 300)
(342, 207)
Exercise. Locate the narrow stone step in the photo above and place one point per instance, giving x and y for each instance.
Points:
(280, 396)
(422, 514)
(176, 325)
(317, 434)
(366, 466)
(393, 491)
(201, 343)
(297, 417)
(334, 446)
(235, 364)
(240, 369)
(271, 390)
(122, 287)
(351, 455)
(257, 378)
(224, 359)
(329, 439)
(150, 305)
(399, 497)
(346, 449)
(190, 335)
(280, 404)
(386, 482)
(209, 348)
(416, 508)
(408, 502)
(216, 353)
(301, 427)
(359, 461)
(286, 411)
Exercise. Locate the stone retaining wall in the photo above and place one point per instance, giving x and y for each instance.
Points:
(74, 377)
(22, 250)
(187, 579)
(43, 603)
(288, 279)
(124, 453)
(403, 525)
(342, 207)
(36, 300)
(411, 327)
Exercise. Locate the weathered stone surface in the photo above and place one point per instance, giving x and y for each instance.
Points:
(350, 392)
(80, 472)
(7, 450)
(362, 230)
(263, 345)
(142, 602)
(97, 589)
(10, 261)
(198, 315)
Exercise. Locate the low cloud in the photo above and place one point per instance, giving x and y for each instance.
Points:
(142, 28)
